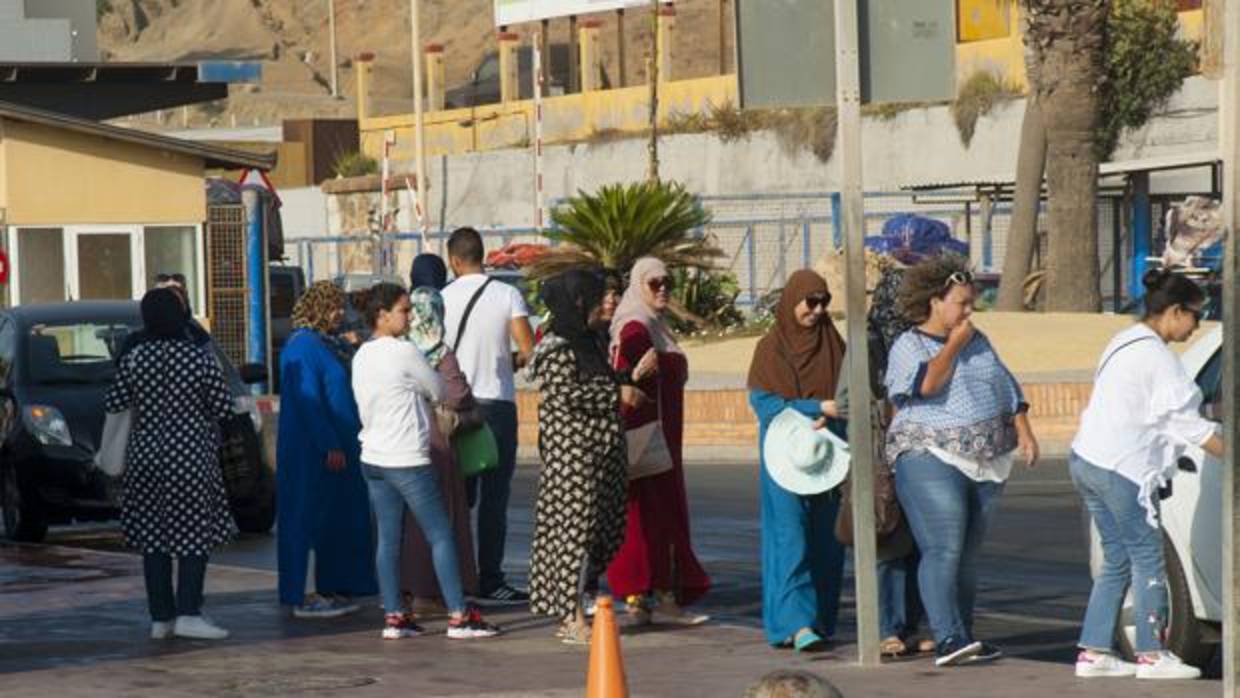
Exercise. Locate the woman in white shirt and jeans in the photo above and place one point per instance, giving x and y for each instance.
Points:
(1143, 415)
(393, 384)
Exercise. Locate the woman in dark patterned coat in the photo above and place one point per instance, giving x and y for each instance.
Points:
(579, 517)
(173, 502)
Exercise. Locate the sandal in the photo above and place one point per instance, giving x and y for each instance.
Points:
(926, 646)
(892, 647)
(573, 633)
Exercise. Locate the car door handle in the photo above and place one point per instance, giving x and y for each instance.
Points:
(1186, 464)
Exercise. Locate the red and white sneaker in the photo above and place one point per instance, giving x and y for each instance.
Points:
(471, 627)
(398, 626)
(1165, 665)
(1095, 665)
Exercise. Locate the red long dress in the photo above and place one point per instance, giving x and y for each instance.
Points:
(657, 553)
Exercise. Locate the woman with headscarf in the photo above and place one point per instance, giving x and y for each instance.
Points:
(173, 502)
(323, 503)
(797, 366)
(426, 331)
(579, 516)
(428, 271)
(656, 570)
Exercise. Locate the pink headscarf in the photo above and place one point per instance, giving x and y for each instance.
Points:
(637, 305)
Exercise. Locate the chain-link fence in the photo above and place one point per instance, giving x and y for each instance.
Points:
(765, 237)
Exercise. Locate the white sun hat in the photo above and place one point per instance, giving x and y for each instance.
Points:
(802, 459)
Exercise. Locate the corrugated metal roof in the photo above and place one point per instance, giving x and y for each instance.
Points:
(212, 156)
(1106, 169)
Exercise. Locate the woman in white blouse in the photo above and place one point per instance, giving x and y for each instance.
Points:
(1143, 415)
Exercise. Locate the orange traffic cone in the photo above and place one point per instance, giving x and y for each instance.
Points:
(606, 677)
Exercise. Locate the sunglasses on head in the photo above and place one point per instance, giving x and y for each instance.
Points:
(958, 278)
(1197, 313)
(662, 283)
(818, 300)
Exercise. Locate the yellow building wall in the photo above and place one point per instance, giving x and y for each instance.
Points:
(982, 20)
(566, 118)
(4, 194)
(53, 176)
(1004, 54)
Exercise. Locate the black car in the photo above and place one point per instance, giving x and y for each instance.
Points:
(56, 363)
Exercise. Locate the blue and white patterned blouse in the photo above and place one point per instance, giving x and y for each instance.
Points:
(970, 417)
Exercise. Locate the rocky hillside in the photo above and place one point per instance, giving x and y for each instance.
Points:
(291, 37)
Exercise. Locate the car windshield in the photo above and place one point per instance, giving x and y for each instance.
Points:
(74, 353)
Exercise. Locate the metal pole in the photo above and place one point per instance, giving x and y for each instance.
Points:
(860, 436)
(620, 74)
(652, 74)
(1229, 115)
(256, 280)
(331, 30)
(419, 125)
(723, 37)
(574, 58)
(539, 82)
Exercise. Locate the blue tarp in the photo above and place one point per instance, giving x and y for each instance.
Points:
(911, 238)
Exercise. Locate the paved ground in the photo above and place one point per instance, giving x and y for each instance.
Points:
(72, 621)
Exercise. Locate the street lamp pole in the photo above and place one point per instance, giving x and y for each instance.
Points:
(419, 122)
(331, 30)
(1229, 118)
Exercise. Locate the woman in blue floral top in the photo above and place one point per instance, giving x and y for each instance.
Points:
(960, 421)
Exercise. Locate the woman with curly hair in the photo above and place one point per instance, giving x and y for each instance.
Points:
(323, 506)
(961, 417)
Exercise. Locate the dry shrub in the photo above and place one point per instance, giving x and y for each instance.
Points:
(977, 97)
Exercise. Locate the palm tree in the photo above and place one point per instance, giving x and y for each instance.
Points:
(620, 223)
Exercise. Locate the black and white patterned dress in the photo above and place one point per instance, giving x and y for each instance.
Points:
(580, 513)
(173, 498)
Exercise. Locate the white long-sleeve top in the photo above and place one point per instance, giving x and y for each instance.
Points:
(392, 383)
(1144, 413)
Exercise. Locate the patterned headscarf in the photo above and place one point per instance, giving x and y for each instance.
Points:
(426, 324)
(637, 305)
(315, 308)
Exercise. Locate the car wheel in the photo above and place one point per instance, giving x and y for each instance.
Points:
(1186, 634)
(23, 519)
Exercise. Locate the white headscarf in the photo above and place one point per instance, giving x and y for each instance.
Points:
(636, 305)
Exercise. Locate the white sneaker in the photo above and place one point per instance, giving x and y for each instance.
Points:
(1165, 666)
(198, 628)
(161, 630)
(1095, 665)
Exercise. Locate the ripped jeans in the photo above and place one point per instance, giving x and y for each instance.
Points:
(1132, 552)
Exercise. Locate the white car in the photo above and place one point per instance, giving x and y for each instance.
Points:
(1192, 530)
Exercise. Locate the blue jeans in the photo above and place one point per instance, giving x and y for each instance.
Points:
(899, 597)
(948, 514)
(490, 492)
(418, 487)
(1132, 551)
(162, 602)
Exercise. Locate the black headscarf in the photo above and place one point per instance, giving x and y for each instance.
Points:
(570, 297)
(163, 314)
(428, 270)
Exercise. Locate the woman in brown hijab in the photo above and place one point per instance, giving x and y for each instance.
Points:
(796, 366)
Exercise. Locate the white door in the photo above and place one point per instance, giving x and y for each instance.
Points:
(104, 262)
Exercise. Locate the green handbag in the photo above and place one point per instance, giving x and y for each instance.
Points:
(475, 449)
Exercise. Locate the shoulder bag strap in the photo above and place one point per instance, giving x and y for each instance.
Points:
(1116, 351)
(469, 309)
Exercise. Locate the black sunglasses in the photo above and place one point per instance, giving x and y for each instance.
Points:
(818, 300)
(660, 284)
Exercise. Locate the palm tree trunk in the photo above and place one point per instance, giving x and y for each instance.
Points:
(1068, 39)
(1027, 199)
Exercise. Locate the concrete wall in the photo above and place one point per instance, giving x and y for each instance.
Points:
(919, 146)
(54, 176)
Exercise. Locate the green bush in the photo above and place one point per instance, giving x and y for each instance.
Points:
(705, 301)
(355, 164)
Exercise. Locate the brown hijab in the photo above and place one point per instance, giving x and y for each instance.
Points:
(793, 361)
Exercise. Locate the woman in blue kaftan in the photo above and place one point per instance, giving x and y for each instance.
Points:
(796, 365)
(321, 499)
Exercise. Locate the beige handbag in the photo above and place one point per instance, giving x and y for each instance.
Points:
(110, 458)
(648, 451)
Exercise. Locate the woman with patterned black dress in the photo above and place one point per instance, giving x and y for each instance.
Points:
(173, 502)
(579, 517)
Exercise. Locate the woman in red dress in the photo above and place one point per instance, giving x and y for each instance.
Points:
(655, 570)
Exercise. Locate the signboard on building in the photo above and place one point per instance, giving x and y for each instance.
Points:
(517, 11)
(786, 51)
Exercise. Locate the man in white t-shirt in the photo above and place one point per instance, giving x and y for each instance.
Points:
(497, 317)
